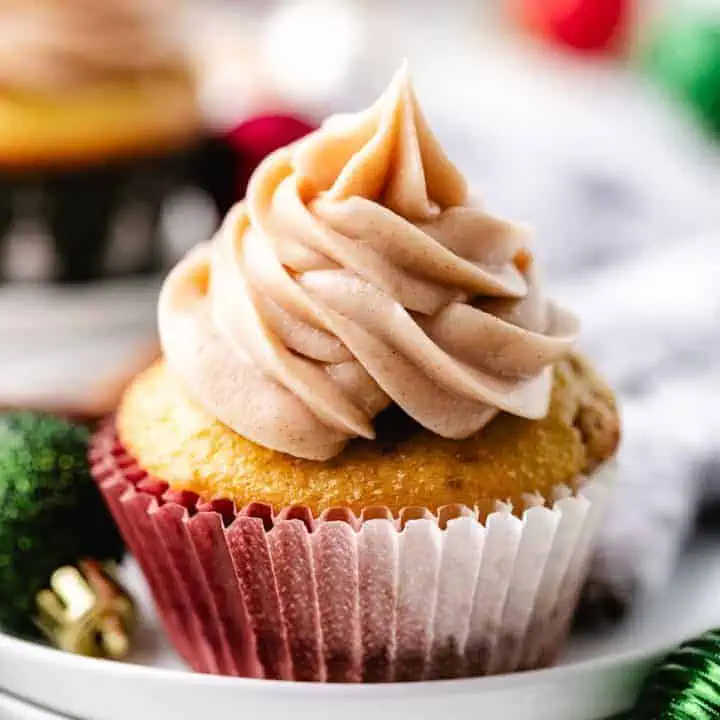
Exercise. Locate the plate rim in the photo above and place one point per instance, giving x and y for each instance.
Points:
(607, 662)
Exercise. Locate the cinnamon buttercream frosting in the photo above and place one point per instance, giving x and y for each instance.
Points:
(358, 272)
(50, 46)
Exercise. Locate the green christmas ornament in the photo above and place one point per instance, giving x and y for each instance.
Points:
(54, 527)
(684, 57)
(686, 686)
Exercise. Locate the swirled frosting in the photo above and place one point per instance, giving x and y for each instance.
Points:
(53, 45)
(356, 273)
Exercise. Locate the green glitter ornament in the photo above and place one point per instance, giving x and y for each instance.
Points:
(684, 57)
(51, 513)
(686, 686)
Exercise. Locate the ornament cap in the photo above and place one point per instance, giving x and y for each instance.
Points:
(86, 611)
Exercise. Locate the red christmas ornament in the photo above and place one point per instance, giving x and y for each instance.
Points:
(257, 137)
(583, 25)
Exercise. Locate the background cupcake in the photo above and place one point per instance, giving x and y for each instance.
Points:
(369, 454)
(97, 112)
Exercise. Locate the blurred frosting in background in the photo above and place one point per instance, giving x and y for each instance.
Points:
(55, 46)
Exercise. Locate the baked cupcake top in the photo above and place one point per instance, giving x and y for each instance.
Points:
(52, 46)
(357, 273)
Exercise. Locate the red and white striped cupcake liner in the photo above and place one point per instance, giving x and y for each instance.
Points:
(342, 598)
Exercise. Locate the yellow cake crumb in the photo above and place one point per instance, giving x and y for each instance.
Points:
(175, 439)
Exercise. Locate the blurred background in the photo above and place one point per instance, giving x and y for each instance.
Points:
(595, 121)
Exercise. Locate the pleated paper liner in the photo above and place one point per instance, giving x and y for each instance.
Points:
(342, 598)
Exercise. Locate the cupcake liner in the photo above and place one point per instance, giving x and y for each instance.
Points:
(90, 221)
(346, 598)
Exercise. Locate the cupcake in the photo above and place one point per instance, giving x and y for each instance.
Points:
(97, 112)
(369, 452)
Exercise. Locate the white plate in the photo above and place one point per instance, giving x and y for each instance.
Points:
(39, 309)
(12, 708)
(599, 676)
(67, 341)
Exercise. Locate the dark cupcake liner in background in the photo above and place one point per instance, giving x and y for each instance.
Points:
(104, 220)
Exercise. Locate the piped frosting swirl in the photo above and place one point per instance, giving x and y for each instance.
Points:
(50, 46)
(358, 272)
